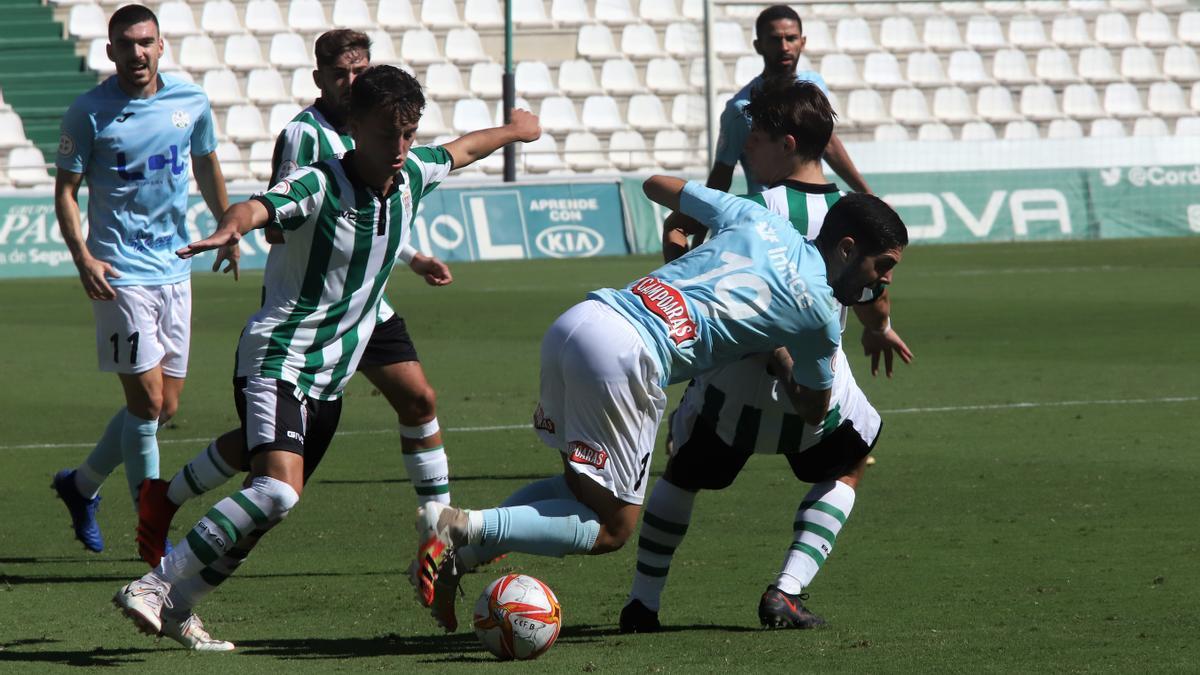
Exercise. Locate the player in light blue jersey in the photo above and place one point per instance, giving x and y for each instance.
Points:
(779, 39)
(756, 285)
(134, 138)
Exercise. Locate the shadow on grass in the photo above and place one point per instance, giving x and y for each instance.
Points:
(453, 479)
(10, 652)
(120, 579)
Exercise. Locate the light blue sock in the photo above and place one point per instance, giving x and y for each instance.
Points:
(549, 488)
(103, 459)
(139, 447)
(551, 527)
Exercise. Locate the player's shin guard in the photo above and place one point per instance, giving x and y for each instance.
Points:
(139, 449)
(554, 527)
(103, 459)
(190, 592)
(664, 524)
(206, 471)
(427, 468)
(819, 519)
(266, 501)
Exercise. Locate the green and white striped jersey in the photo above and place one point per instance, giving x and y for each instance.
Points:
(321, 290)
(309, 138)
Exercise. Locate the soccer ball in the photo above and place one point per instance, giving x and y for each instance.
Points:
(517, 617)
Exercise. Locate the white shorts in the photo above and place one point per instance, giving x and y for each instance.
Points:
(600, 399)
(145, 326)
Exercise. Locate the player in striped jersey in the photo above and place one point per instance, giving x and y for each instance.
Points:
(346, 222)
(737, 410)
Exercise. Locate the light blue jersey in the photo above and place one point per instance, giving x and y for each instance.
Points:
(135, 155)
(757, 284)
(735, 125)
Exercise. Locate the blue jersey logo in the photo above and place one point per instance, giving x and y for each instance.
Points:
(154, 163)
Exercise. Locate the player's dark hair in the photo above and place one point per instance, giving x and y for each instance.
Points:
(390, 89)
(772, 14)
(129, 15)
(783, 105)
(334, 43)
(874, 226)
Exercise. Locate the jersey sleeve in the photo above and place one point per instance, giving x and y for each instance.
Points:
(296, 147)
(731, 139)
(427, 167)
(75, 139)
(714, 209)
(295, 200)
(812, 354)
(204, 137)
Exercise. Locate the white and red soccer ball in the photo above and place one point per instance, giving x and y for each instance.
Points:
(517, 617)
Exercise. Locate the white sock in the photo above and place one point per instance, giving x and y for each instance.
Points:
(206, 471)
(664, 524)
(429, 473)
(819, 519)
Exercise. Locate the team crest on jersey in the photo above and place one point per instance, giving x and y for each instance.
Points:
(181, 119)
(540, 421)
(582, 453)
(666, 302)
(66, 145)
(287, 167)
(282, 187)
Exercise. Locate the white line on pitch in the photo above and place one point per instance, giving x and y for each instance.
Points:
(515, 427)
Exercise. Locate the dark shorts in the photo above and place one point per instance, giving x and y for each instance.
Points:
(706, 462)
(389, 343)
(275, 415)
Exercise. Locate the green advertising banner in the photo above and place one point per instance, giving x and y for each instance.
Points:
(1146, 201)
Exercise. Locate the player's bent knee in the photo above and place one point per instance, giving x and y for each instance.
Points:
(419, 407)
(280, 497)
(611, 538)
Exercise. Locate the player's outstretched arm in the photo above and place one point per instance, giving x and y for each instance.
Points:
(207, 169)
(237, 221)
(878, 338)
(839, 160)
(664, 190)
(92, 272)
(476, 145)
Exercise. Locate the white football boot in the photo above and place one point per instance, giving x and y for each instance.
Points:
(143, 601)
(190, 633)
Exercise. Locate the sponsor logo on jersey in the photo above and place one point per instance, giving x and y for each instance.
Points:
(167, 160)
(66, 145)
(180, 118)
(582, 453)
(121, 119)
(666, 302)
(540, 421)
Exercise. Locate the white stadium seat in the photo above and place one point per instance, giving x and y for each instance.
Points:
(925, 69)
(1081, 102)
(865, 107)
(263, 17)
(433, 121)
(1154, 29)
(683, 39)
(569, 12)
(1067, 128)
(396, 14)
(897, 34)
(941, 33)
(646, 113)
(440, 14)
(1188, 28)
(882, 71)
(1167, 99)
(672, 149)
(1096, 65)
(1003, 7)
(198, 53)
(1027, 33)
(1044, 7)
(259, 164)
(557, 115)
(819, 37)
(484, 13)
(288, 50)
(854, 36)
(1188, 126)
(952, 104)
(1150, 126)
(658, 11)
(443, 81)
(97, 57)
(530, 14)
(640, 41)
(840, 71)
(302, 86)
(1054, 66)
(600, 113)
(619, 77)
(1113, 30)
(961, 7)
(242, 52)
(720, 77)
(665, 76)
(12, 131)
(995, 104)
(1021, 130)
(747, 68)
(934, 131)
(233, 165)
(596, 42)
(977, 131)
(687, 111)
(87, 21)
(464, 46)
(471, 114)
(220, 17)
(917, 8)
(888, 133)
(280, 115)
(27, 167)
(966, 69)
(1087, 7)
(533, 79)
(244, 123)
(729, 40)
(307, 16)
(984, 33)
(175, 19)
(577, 78)
(541, 156)
(486, 80)
(1121, 99)
(627, 151)
(1011, 66)
(1038, 102)
(419, 47)
(1107, 128)
(383, 50)
(1070, 31)
(222, 87)
(352, 14)
(614, 12)
(910, 107)
(1138, 64)
(582, 152)
(265, 85)
(1180, 63)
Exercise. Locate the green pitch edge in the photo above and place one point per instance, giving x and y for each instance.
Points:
(40, 73)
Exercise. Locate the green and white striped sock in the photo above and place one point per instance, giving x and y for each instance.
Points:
(429, 472)
(818, 521)
(664, 524)
(205, 472)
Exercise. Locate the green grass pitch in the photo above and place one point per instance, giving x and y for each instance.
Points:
(992, 536)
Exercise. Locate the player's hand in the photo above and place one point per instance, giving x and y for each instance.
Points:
(228, 254)
(888, 344)
(93, 273)
(525, 125)
(227, 237)
(436, 272)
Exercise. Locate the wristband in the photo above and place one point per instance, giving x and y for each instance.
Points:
(407, 253)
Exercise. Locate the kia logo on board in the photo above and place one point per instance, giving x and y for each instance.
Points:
(569, 241)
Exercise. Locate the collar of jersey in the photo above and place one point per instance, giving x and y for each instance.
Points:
(814, 188)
